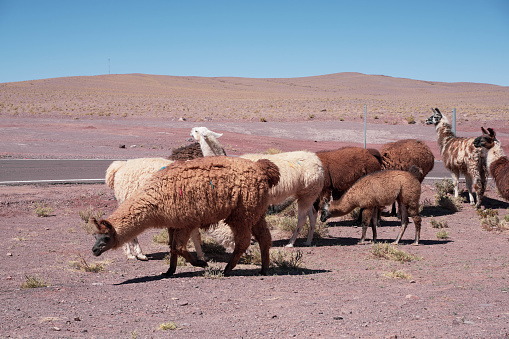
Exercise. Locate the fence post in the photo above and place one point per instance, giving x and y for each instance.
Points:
(454, 121)
(365, 122)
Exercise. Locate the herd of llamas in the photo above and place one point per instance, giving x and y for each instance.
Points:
(199, 188)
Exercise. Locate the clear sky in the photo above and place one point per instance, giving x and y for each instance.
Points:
(435, 40)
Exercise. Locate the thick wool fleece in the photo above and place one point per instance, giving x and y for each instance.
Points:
(125, 177)
(343, 167)
(498, 165)
(301, 175)
(198, 193)
(402, 154)
(380, 189)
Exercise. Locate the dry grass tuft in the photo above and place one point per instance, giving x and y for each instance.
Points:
(83, 265)
(397, 274)
(34, 282)
(389, 252)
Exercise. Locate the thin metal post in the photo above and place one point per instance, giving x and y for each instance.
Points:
(454, 121)
(365, 122)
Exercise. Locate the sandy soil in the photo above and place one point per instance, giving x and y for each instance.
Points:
(456, 288)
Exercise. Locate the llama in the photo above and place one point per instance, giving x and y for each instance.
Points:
(124, 177)
(343, 167)
(208, 141)
(402, 154)
(377, 190)
(302, 177)
(496, 160)
(188, 152)
(197, 193)
(461, 156)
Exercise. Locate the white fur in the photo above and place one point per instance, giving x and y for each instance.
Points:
(301, 176)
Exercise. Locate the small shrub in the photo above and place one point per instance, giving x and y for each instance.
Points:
(444, 187)
(43, 210)
(262, 119)
(33, 282)
(451, 203)
(273, 151)
(213, 272)
(180, 260)
(286, 259)
(253, 256)
(410, 120)
(438, 223)
(389, 252)
(162, 237)
(210, 245)
(82, 265)
(487, 213)
(88, 214)
(399, 274)
(492, 223)
(442, 234)
(168, 326)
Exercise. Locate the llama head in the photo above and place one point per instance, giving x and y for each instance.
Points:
(487, 139)
(325, 213)
(435, 118)
(105, 236)
(198, 132)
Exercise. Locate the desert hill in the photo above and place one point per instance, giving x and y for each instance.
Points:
(335, 96)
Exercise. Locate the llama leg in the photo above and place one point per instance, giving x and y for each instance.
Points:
(468, 181)
(242, 241)
(366, 218)
(374, 222)
(480, 186)
(137, 250)
(181, 238)
(127, 250)
(417, 223)
(173, 254)
(262, 235)
(404, 223)
(455, 181)
(301, 220)
(196, 238)
(312, 215)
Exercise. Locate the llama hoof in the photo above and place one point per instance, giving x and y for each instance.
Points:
(167, 274)
(142, 257)
(263, 272)
(415, 244)
(289, 245)
(201, 263)
(363, 242)
(130, 256)
(307, 244)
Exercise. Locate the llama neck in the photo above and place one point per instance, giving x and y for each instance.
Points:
(132, 218)
(338, 208)
(445, 133)
(210, 146)
(494, 153)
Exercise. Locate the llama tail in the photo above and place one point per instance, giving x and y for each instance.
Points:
(271, 170)
(416, 172)
(111, 171)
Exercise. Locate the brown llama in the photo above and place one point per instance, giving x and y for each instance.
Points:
(460, 156)
(377, 190)
(197, 193)
(496, 160)
(402, 154)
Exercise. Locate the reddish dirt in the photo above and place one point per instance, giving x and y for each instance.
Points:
(457, 289)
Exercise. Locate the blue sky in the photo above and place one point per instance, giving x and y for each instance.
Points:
(435, 40)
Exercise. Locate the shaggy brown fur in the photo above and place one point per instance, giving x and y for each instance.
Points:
(343, 167)
(402, 154)
(197, 193)
(461, 156)
(188, 152)
(497, 162)
(377, 190)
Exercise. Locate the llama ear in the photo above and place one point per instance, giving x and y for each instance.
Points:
(492, 132)
(438, 111)
(484, 131)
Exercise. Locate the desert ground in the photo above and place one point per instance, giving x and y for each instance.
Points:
(454, 284)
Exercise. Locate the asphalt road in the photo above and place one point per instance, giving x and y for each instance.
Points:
(34, 171)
